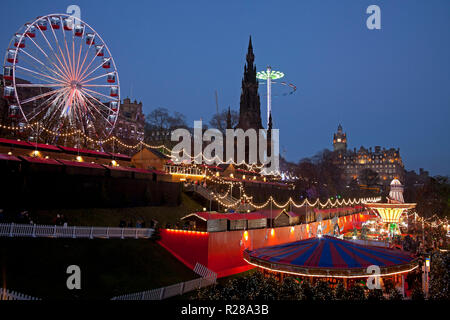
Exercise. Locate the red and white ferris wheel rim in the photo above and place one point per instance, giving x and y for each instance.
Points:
(76, 100)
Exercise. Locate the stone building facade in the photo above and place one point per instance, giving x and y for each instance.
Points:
(386, 162)
(131, 122)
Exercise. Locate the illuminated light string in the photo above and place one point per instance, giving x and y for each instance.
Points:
(223, 181)
(135, 146)
(328, 276)
(215, 159)
(437, 222)
(81, 133)
(248, 199)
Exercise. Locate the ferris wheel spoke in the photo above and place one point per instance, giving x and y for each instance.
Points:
(97, 85)
(98, 101)
(73, 50)
(38, 73)
(41, 96)
(95, 78)
(39, 85)
(91, 72)
(47, 105)
(50, 112)
(82, 101)
(84, 60)
(41, 63)
(37, 46)
(67, 49)
(59, 47)
(79, 56)
(100, 94)
(55, 54)
(51, 48)
(44, 67)
(81, 76)
(96, 109)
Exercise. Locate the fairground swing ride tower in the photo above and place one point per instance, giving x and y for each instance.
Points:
(269, 75)
(391, 212)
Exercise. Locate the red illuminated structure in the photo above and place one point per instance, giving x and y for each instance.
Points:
(222, 252)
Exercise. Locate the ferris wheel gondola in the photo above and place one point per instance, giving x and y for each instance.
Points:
(59, 72)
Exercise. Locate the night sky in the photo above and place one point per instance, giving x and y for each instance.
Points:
(388, 87)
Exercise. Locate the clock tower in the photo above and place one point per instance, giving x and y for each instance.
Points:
(339, 140)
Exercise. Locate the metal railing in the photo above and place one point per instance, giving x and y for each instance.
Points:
(49, 231)
(5, 294)
(208, 278)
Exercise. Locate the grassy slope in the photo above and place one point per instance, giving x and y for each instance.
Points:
(111, 216)
(108, 267)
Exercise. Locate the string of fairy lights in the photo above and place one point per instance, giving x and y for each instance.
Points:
(434, 221)
(79, 132)
(271, 201)
(38, 126)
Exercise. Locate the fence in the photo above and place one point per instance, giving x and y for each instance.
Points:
(176, 289)
(34, 230)
(5, 294)
(204, 272)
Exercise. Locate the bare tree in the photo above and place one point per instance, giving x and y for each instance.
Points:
(219, 120)
(161, 119)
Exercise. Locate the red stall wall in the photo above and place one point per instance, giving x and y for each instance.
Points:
(222, 252)
(189, 247)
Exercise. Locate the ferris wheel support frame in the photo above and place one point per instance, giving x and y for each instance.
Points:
(65, 66)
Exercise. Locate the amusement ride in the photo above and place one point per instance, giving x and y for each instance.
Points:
(60, 77)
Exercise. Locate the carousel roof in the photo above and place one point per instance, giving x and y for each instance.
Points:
(329, 256)
(390, 205)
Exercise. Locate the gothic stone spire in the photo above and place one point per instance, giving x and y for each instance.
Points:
(229, 119)
(250, 106)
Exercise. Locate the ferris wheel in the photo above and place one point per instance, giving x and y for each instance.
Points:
(59, 73)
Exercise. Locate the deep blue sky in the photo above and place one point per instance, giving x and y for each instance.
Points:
(388, 87)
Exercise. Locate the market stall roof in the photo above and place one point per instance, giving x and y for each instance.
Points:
(390, 205)
(274, 213)
(45, 146)
(19, 143)
(41, 160)
(81, 164)
(229, 216)
(330, 257)
(7, 157)
(120, 156)
(130, 169)
(86, 152)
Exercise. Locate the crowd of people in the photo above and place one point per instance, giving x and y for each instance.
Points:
(19, 217)
(140, 223)
(425, 240)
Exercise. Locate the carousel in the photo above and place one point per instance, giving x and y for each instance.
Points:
(331, 259)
